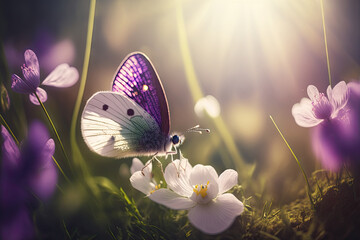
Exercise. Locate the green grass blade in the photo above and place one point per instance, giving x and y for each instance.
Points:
(298, 162)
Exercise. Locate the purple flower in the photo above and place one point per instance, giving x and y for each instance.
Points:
(350, 134)
(328, 145)
(313, 111)
(25, 172)
(335, 118)
(62, 76)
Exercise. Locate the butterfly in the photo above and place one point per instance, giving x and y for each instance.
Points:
(133, 119)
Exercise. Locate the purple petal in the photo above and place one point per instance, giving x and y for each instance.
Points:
(322, 109)
(38, 134)
(31, 60)
(312, 92)
(62, 76)
(327, 144)
(303, 114)
(42, 95)
(10, 152)
(21, 86)
(44, 179)
(354, 88)
(17, 226)
(339, 95)
(13, 192)
(32, 77)
(216, 216)
(37, 154)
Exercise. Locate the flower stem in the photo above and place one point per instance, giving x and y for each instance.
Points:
(62, 172)
(298, 162)
(3, 121)
(325, 40)
(56, 132)
(74, 147)
(8, 128)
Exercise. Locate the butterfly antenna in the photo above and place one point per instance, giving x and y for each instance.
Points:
(198, 129)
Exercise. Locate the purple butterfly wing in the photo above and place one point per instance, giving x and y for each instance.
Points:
(137, 79)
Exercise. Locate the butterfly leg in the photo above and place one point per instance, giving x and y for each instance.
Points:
(179, 167)
(161, 167)
(181, 157)
(148, 163)
(172, 153)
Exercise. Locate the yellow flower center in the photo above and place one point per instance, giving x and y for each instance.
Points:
(202, 189)
(156, 188)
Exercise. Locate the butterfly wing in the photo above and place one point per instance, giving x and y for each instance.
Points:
(113, 125)
(137, 79)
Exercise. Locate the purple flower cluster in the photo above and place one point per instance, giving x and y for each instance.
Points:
(336, 122)
(25, 173)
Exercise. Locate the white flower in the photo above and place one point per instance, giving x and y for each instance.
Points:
(200, 190)
(208, 104)
(141, 178)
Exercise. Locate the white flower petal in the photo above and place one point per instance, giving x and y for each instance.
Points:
(171, 200)
(303, 114)
(201, 174)
(62, 76)
(312, 92)
(227, 180)
(177, 177)
(216, 216)
(339, 95)
(141, 183)
(137, 165)
(42, 95)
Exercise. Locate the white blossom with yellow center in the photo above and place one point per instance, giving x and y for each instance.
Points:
(141, 178)
(200, 190)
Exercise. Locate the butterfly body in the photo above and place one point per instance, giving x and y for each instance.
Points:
(133, 119)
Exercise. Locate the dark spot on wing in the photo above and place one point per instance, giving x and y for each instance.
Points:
(130, 112)
(105, 107)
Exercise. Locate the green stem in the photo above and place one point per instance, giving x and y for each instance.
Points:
(61, 170)
(75, 148)
(8, 128)
(56, 132)
(298, 162)
(197, 94)
(17, 142)
(325, 40)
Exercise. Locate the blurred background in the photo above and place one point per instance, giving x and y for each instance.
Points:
(255, 57)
